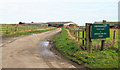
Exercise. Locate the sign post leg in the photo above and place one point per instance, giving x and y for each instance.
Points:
(114, 36)
(78, 34)
(102, 44)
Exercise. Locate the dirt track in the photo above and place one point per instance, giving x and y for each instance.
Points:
(32, 51)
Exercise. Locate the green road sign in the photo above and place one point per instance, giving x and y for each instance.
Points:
(100, 31)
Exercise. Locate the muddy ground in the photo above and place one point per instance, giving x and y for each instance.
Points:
(32, 51)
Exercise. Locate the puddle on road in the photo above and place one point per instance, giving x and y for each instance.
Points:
(45, 43)
(44, 49)
(33, 34)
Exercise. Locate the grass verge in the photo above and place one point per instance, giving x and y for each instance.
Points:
(96, 59)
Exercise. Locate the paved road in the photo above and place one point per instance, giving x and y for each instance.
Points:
(32, 51)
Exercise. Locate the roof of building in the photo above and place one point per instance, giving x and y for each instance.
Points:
(58, 22)
(48, 22)
(106, 22)
(111, 23)
(34, 23)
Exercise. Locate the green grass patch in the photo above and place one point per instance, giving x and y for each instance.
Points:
(96, 59)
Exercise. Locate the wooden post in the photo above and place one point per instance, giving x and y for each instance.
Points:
(25, 28)
(103, 41)
(102, 44)
(75, 35)
(6, 30)
(71, 31)
(28, 28)
(74, 32)
(78, 34)
(88, 39)
(18, 29)
(21, 28)
(11, 30)
(15, 29)
(83, 38)
(114, 35)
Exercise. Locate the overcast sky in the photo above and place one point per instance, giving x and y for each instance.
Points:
(78, 11)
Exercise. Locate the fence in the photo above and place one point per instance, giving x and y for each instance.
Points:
(77, 33)
(84, 35)
(6, 31)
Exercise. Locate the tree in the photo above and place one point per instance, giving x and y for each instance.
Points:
(20, 23)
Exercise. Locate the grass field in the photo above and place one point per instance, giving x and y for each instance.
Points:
(16, 29)
(96, 59)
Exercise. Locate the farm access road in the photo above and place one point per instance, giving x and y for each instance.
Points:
(32, 51)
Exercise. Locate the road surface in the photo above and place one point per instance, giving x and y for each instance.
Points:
(32, 51)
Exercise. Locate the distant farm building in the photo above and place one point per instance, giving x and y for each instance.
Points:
(34, 24)
(114, 25)
(61, 24)
(50, 24)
